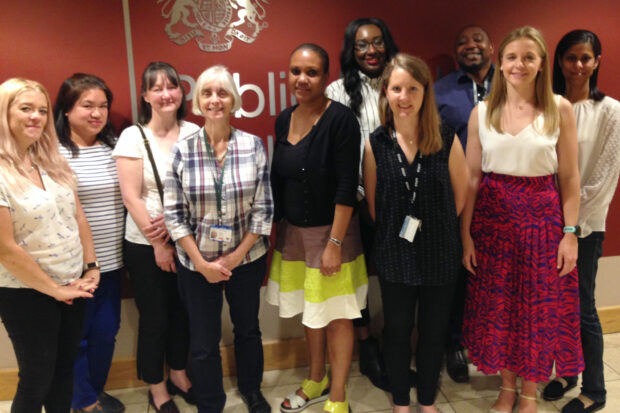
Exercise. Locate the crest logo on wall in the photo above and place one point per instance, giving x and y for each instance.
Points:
(214, 24)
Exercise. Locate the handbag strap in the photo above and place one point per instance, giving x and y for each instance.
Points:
(160, 188)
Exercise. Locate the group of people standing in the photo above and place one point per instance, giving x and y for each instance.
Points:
(463, 197)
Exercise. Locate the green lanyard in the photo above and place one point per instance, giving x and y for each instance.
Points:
(217, 183)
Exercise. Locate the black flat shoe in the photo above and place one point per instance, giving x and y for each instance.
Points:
(110, 403)
(188, 396)
(456, 364)
(371, 363)
(256, 402)
(555, 389)
(577, 406)
(168, 407)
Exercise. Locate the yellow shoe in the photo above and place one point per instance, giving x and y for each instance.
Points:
(337, 407)
(315, 391)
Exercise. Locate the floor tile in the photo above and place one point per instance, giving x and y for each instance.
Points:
(611, 357)
(5, 406)
(611, 340)
(136, 395)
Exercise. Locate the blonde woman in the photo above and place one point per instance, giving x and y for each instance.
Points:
(47, 258)
(518, 227)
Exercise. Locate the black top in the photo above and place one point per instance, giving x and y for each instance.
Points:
(321, 170)
(434, 256)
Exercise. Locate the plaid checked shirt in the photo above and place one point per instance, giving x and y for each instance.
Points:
(190, 206)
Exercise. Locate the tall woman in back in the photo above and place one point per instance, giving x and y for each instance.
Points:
(522, 307)
(163, 332)
(86, 140)
(575, 74)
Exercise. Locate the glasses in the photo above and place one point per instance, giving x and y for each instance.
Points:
(362, 45)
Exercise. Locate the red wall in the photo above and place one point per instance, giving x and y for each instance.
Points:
(48, 41)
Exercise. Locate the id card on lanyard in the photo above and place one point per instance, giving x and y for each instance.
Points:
(219, 232)
(411, 224)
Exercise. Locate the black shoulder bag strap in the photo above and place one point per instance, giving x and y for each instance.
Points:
(160, 188)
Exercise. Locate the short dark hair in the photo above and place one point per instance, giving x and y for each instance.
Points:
(316, 49)
(69, 93)
(348, 64)
(569, 40)
(149, 77)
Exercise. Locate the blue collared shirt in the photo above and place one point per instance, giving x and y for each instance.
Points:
(455, 99)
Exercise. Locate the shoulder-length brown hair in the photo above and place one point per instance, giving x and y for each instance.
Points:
(44, 152)
(544, 93)
(428, 126)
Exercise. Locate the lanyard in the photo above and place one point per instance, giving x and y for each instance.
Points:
(411, 189)
(486, 84)
(217, 182)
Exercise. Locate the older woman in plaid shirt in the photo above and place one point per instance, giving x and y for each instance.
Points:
(219, 209)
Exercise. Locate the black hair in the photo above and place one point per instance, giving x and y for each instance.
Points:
(348, 64)
(69, 93)
(149, 77)
(316, 49)
(569, 40)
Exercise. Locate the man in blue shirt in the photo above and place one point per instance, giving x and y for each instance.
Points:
(456, 95)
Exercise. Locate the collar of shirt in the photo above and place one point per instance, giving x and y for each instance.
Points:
(373, 82)
(463, 77)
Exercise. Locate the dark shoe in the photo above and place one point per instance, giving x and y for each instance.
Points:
(168, 407)
(456, 364)
(110, 404)
(555, 389)
(413, 378)
(188, 396)
(256, 402)
(371, 363)
(577, 406)
(97, 409)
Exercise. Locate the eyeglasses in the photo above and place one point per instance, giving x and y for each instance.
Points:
(362, 45)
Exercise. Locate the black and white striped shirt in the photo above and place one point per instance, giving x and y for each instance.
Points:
(100, 196)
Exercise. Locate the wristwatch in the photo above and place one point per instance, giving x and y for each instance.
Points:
(575, 230)
(91, 266)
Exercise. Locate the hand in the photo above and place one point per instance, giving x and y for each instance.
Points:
(67, 293)
(89, 281)
(331, 259)
(230, 261)
(469, 254)
(157, 230)
(567, 254)
(214, 271)
(164, 256)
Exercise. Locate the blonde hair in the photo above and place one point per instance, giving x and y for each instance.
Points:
(428, 126)
(222, 75)
(544, 93)
(43, 153)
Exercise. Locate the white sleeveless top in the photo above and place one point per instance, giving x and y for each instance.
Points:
(528, 153)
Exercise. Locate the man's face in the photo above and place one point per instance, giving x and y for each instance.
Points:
(473, 49)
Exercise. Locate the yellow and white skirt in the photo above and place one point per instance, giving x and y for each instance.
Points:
(296, 284)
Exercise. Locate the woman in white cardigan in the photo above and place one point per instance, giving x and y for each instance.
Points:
(575, 72)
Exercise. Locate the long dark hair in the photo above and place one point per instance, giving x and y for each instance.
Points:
(569, 40)
(149, 77)
(348, 64)
(69, 93)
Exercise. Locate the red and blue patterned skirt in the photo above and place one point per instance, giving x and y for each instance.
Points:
(520, 315)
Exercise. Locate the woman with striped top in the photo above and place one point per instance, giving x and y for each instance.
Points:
(87, 138)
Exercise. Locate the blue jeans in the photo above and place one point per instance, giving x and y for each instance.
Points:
(593, 381)
(102, 321)
(45, 334)
(204, 307)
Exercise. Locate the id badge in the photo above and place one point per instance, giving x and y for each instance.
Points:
(220, 233)
(409, 228)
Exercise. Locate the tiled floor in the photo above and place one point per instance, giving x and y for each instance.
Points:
(473, 397)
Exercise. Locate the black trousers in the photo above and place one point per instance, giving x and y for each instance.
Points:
(163, 331)
(204, 305)
(399, 303)
(46, 335)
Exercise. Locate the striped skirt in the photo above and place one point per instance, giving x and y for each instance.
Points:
(297, 286)
(520, 315)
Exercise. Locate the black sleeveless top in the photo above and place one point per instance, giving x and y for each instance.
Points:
(434, 256)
